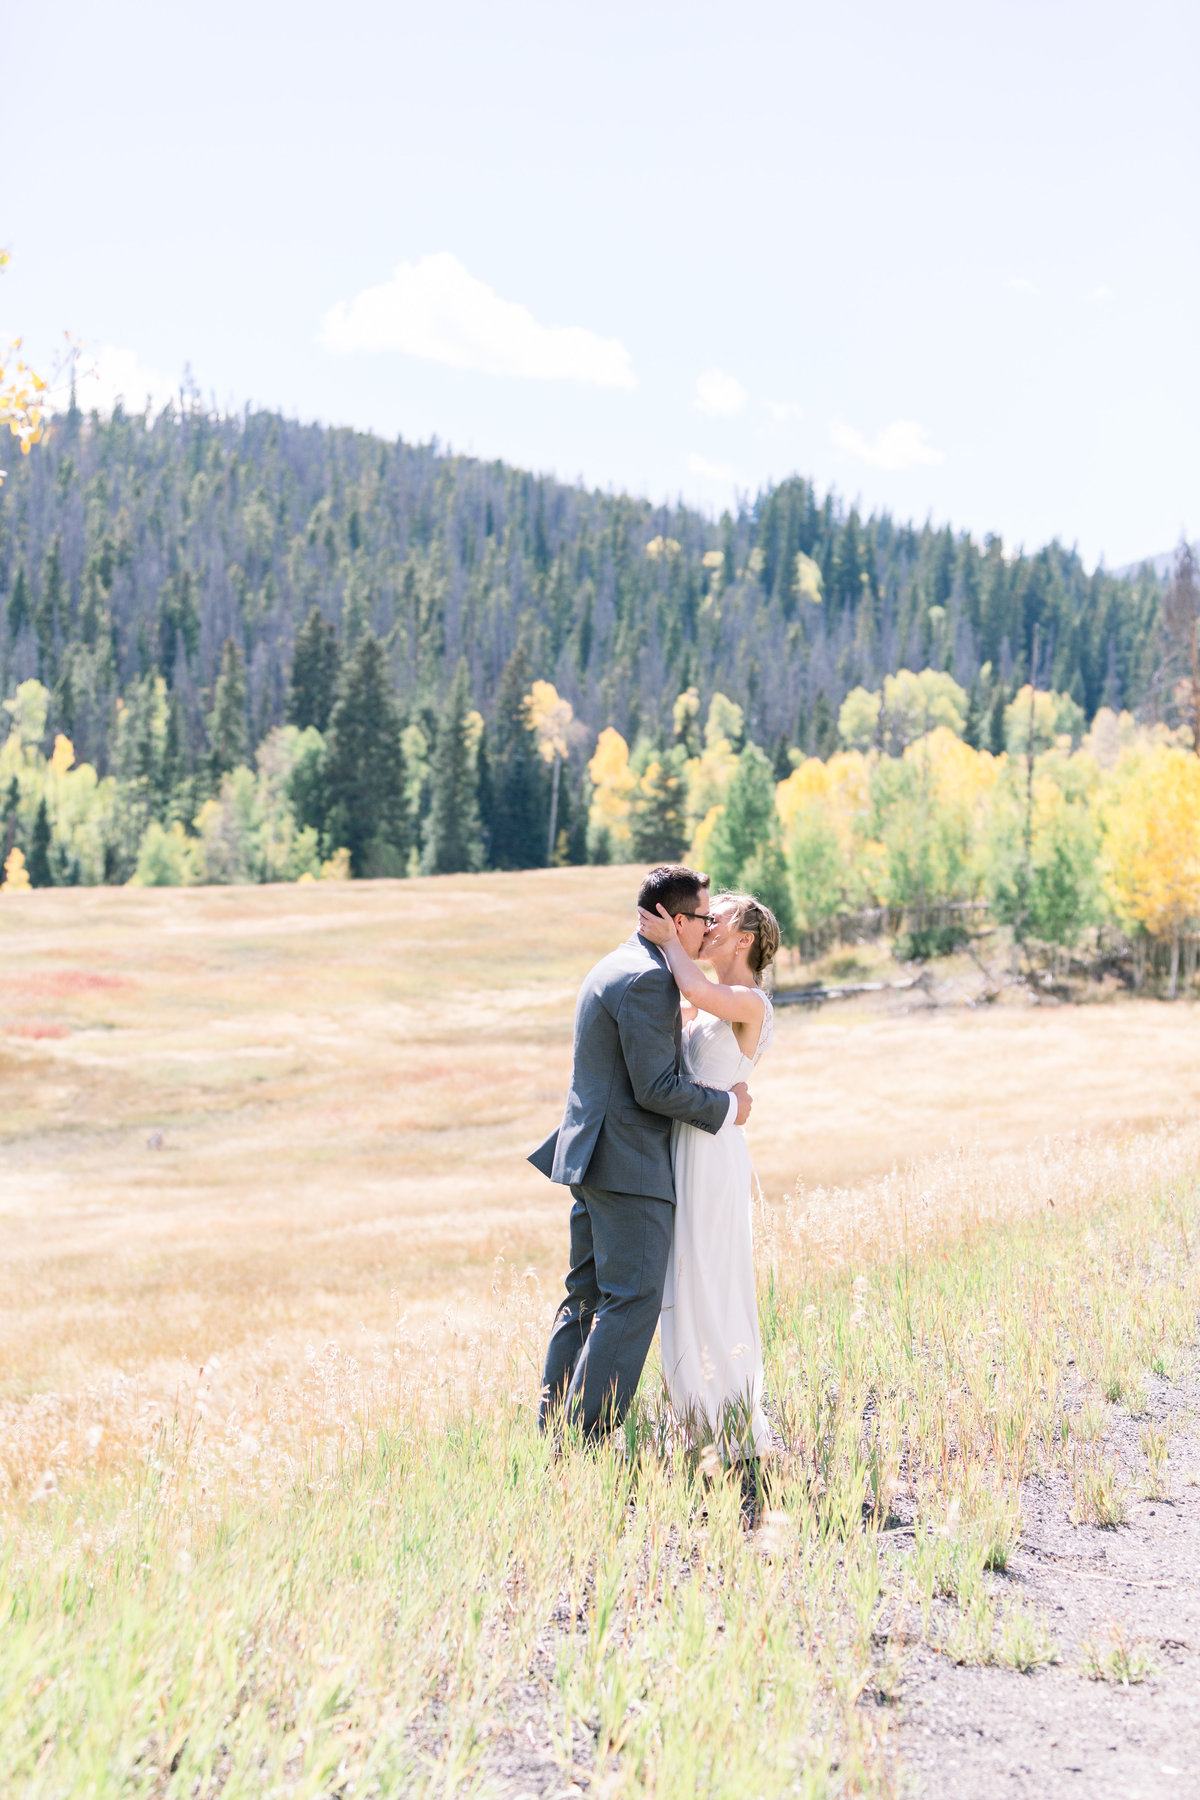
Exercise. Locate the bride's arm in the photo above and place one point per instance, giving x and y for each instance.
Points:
(740, 1005)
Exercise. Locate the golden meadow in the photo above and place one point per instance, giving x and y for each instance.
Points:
(275, 1290)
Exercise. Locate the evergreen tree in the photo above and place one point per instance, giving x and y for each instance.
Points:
(824, 727)
(227, 720)
(18, 606)
(179, 621)
(314, 675)
(657, 806)
(572, 818)
(176, 758)
(453, 840)
(766, 877)
(748, 820)
(486, 798)
(781, 762)
(993, 730)
(364, 766)
(308, 785)
(48, 614)
(520, 797)
(39, 849)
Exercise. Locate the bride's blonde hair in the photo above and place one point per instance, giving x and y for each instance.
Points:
(753, 916)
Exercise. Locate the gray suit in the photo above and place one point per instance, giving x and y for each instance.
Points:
(613, 1149)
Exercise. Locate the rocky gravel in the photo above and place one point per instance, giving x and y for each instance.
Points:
(967, 1733)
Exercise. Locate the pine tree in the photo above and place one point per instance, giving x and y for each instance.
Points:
(176, 759)
(657, 807)
(824, 727)
(315, 662)
(572, 819)
(766, 877)
(748, 821)
(520, 788)
(453, 841)
(483, 771)
(48, 615)
(18, 606)
(39, 849)
(227, 720)
(365, 766)
(308, 787)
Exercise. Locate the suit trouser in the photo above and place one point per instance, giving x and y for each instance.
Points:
(620, 1249)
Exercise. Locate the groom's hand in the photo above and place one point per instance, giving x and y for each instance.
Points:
(744, 1101)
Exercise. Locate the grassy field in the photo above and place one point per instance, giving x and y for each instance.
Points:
(344, 1079)
(275, 1286)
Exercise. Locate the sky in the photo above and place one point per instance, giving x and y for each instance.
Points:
(941, 258)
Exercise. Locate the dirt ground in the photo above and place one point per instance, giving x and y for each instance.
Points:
(973, 1733)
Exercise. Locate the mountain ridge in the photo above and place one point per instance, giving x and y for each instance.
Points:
(133, 546)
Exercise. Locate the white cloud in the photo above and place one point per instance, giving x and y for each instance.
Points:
(717, 392)
(1100, 294)
(711, 471)
(783, 410)
(435, 308)
(1020, 285)
(114, 375)
(900, 445)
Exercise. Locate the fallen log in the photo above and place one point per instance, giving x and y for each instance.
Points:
(819, 992)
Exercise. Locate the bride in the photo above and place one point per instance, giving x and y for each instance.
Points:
(711, 1350)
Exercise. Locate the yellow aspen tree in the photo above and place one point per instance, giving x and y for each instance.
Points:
(698, 855)
(16, 876)
(1151, 844)
(553, 722)
(23, 394)
(709, 773)
(613, 782)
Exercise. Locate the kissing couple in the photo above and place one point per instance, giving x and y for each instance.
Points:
(652, 1148)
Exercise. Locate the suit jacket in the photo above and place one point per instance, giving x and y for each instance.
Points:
(625, 1083)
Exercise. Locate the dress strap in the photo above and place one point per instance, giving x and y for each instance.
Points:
(767, 1029)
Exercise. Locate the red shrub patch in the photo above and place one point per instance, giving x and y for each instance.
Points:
(68, 981)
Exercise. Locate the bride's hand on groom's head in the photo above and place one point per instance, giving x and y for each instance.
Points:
(658, 926)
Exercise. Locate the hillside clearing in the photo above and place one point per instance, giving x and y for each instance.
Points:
(274, 1514)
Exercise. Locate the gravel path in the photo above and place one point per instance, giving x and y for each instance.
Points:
(971, 1733)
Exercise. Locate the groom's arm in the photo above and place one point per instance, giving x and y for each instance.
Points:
(646, 1027)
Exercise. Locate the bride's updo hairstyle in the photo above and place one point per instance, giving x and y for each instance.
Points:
(753, 916)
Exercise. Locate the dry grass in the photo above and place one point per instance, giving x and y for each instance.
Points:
(353, 1568)
(346, 1078)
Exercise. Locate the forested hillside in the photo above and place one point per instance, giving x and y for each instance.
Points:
(181, 588)
(129, 547)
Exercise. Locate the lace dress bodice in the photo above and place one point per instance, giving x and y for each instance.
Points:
(711, 1053)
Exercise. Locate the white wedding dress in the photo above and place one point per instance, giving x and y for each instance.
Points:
(711, 1348)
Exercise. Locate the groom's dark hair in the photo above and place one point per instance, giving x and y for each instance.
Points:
(671, 885)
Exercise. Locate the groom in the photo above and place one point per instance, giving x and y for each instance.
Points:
(613, 1150)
